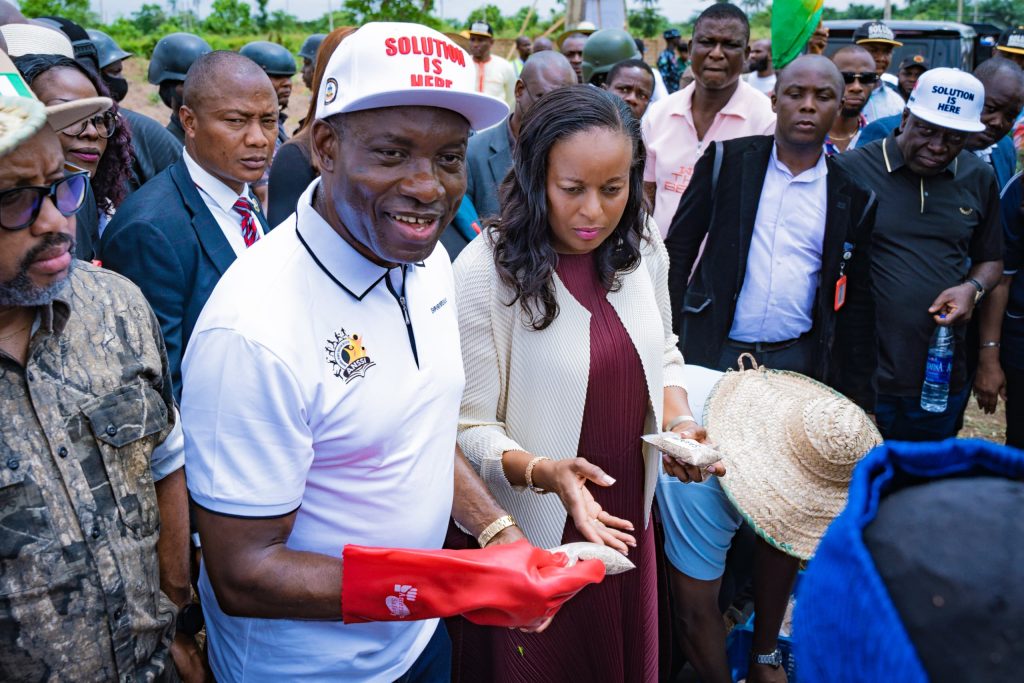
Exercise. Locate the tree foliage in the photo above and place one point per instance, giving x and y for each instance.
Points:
(75, 10)
(229, 17)
(358, 12)
(646, 21)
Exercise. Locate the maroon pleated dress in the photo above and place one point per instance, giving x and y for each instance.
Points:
(608, 632)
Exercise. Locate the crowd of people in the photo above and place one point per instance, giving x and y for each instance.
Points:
(303, 390)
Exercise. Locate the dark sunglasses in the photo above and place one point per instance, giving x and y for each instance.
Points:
(105, 125)
(19, 207)
(866, 79)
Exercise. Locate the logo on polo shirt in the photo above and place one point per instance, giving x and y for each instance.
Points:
(348, 356)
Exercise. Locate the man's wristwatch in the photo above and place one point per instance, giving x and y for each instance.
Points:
(190, 619)
(978, 286)
(774, 659)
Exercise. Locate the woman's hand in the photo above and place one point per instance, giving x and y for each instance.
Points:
(690, 473)
(568, 478)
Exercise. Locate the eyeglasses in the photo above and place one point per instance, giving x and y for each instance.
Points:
(865, 79)
(20, 206)
(105, 125)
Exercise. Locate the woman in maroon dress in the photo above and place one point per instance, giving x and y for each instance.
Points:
(569, 359)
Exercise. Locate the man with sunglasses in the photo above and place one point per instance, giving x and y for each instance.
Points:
(879, 40)
(93, 509)
(937, 245)
(859, 80)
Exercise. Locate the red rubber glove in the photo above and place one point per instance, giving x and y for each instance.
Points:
(510, 585)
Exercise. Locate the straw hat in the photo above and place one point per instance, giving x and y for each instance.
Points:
(59, 116)
(789, 445)
(31, 39)
(584, 27)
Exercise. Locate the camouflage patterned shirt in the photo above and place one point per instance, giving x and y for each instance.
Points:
(80, 595)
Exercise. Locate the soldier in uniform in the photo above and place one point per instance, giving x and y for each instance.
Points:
(308, 51)
(93, 535)
(172, 57)
(155, 147)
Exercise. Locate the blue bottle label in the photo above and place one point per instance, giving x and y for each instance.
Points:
(938, 370)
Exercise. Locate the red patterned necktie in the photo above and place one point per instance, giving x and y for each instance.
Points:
(249, 232)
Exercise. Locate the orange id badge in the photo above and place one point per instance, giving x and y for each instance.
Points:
(840, 292)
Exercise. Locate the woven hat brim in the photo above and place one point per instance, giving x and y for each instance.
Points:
(28, 39)
(20, 119)
(779, 498)
(1014, 50)
(65, 114)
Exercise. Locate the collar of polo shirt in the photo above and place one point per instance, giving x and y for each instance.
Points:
(352, 271)
(893, 157)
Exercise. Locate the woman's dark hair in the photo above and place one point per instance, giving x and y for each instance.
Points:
(114, 172)
(524, 256)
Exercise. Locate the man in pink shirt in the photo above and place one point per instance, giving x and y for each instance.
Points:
(718, 105)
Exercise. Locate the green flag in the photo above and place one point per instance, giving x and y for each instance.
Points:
(793, 22)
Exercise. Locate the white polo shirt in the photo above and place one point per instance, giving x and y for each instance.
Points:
(302, 389)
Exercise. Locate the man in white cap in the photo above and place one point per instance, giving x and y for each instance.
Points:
(93, 507)
(321, 395)
(495, 75)
(937, 245)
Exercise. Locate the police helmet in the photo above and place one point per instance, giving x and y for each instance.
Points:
(173, 55)
(606, 48)
(275, 59)
(107, 50)
(311, 45)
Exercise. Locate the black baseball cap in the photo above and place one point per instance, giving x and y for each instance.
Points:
(915, 60)
(875, 32)
(481, 28)
(1012, 40)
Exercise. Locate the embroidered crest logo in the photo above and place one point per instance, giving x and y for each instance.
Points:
(348, 356)
(330, 90)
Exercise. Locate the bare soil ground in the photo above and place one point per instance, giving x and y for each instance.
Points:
(144, 98)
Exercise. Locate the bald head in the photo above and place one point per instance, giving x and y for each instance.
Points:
(543, 72)
(1004, 97)
(852, 51)
(815, 67)
(542, 44)
(215, 72)
(229, 117)
(550, 66)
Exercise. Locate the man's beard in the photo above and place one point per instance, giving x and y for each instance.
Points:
(21, 291)
(759, 65)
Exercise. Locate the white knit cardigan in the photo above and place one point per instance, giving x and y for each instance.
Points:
(525, 389)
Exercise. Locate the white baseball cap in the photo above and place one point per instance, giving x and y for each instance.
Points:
(392, 64)
(949, 98)
(59, 116)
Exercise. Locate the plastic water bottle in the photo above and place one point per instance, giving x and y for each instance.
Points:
(935, 392)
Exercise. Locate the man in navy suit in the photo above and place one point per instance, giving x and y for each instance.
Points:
(178, 234)
(489, 155)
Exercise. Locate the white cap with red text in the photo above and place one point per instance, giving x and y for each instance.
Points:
(391, 64)
(949, 98)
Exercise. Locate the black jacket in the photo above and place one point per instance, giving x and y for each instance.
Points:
(703, 307)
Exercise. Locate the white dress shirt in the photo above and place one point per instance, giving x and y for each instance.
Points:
(220, 200)
(777, 298)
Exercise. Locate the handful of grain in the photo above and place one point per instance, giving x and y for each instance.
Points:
(614, 561)
(684, 451)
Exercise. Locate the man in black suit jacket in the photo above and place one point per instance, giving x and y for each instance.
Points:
(783, 276)
(178, 234)
(489, 153)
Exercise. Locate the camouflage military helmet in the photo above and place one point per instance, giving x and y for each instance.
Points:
(107, 50)
(606, 48)
(173, 55)
(275, 59)
(311, 45)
